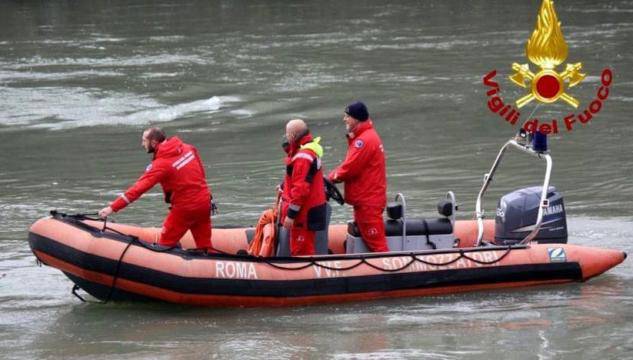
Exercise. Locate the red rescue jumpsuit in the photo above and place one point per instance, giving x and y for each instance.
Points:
(303, 194)
(364, 174)
(179, 170)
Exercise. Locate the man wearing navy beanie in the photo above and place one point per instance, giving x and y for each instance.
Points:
(363, 172)
(357, 110)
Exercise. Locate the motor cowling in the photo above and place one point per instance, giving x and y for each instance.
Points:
(517, 213)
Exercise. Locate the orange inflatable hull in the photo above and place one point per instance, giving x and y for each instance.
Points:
(121, 264)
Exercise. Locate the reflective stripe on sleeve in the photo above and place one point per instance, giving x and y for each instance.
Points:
(303, 156)
(183, 160)
(182, 164)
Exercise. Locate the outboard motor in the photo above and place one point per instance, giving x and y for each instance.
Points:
(517, 214)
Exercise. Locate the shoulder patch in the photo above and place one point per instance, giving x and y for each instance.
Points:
(149, 167)
(359, 143)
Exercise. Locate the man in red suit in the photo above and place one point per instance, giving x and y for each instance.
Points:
(303, 192)
(178, 168)
(363, 172)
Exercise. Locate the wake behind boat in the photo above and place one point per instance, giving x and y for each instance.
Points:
(525, 245)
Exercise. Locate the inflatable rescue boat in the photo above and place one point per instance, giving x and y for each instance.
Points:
(525, 245)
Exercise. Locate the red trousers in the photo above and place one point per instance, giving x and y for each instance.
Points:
(301, 241)
(371, 226)
(178, 222)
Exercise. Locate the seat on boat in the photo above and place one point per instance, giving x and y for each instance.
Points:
(421, 234)
(414, 227)
(320, 240)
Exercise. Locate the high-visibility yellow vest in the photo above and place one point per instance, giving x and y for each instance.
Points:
(314, 146)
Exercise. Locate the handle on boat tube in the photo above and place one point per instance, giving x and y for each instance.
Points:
(479, 213)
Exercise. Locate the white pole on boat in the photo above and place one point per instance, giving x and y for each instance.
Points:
(479, 212)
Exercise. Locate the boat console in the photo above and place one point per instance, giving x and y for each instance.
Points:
(410, 234)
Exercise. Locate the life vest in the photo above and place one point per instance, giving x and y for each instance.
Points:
(315, 166)
(304, 198)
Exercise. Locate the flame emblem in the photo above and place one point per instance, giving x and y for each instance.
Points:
(547, 49)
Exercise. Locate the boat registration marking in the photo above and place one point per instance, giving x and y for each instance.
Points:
(556, 254)
(235, 270)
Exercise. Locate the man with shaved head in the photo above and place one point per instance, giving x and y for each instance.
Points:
(303, 209)
(178, 168)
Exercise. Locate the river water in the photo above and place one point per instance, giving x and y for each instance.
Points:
(80, 80)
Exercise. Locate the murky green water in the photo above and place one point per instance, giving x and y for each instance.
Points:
(80, 80)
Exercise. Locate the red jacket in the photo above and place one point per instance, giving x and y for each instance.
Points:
(179, 170)
(303, 188)
(363, 170)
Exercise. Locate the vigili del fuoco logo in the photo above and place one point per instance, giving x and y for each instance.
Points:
(547, 49)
